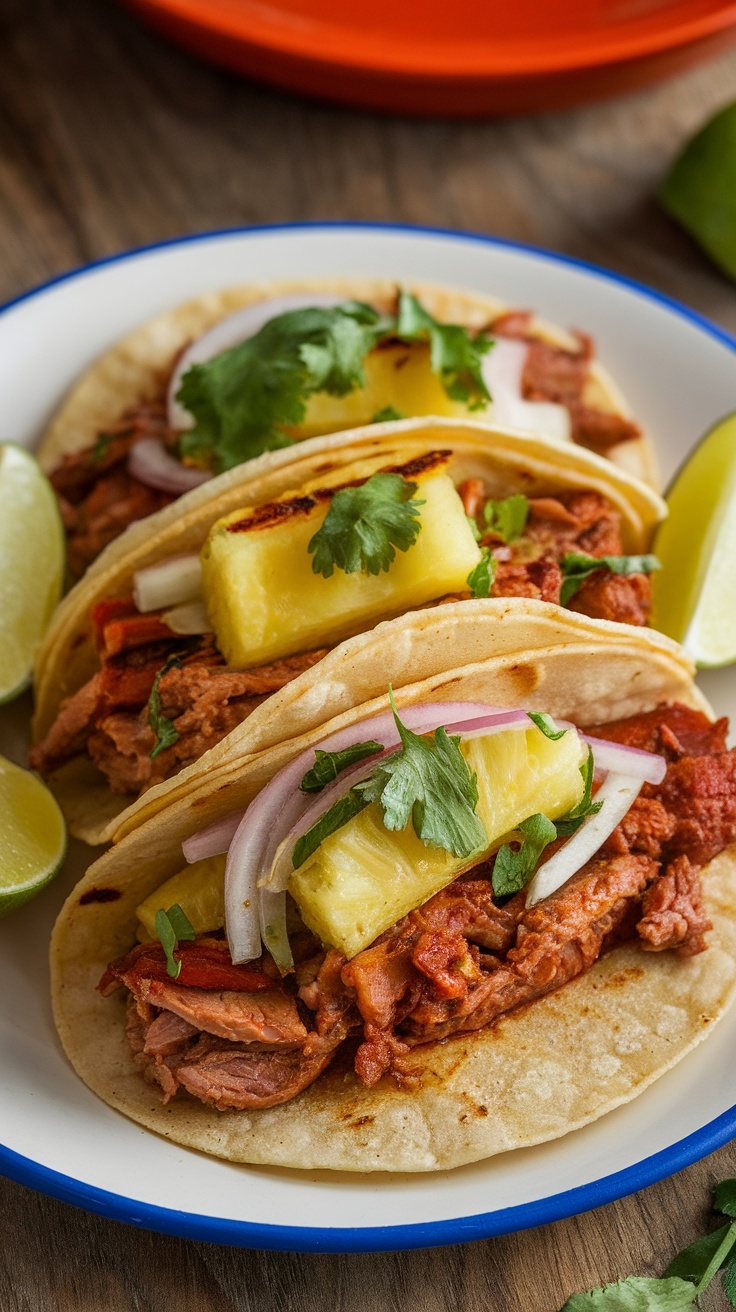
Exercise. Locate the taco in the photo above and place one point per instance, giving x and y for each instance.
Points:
(495, 928)
(204, 625)
(257, 368)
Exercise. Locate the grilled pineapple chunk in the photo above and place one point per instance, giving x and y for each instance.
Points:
(396, 375)
(363, 878)
(264, 600)
(200, 891)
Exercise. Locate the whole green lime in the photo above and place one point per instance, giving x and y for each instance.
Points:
(700, 189)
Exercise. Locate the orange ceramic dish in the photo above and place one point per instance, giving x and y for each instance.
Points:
(469, 58)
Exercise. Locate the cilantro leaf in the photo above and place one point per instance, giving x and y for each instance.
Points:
(455, 355)
(166, 734)
(338, 815)
(171, 926)
(100, 448)
(586, 805)
(480, 579)
(474, 528)
(513, 869)
(693, 1261)
(429, 782)
(546, 725)
(577, 567)
(365, 524)
(328, 765)
(724, 1198)
(636, 1294)
(243, 398)
(387, 413)
(507, 518)
(729, 1282)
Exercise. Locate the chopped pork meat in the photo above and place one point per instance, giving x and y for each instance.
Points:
(242, 1037)
(530, 566)
(553, 373)
(97, 495)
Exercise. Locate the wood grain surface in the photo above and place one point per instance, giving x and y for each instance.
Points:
(110, 138)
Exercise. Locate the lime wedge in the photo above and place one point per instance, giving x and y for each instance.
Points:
(695, 591)
(32, 836)
(700, 189)
(31, 564)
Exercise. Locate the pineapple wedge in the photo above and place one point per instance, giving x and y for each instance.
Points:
(363, 878)
(264, 600)
(395, 375)
(200, 891)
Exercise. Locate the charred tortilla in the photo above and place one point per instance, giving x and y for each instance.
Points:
(547, 1069)
(137, 369)
(505, 462)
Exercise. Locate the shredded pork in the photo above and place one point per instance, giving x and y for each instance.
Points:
(245, 1038)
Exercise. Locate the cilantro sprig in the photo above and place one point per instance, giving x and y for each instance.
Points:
(171, 927)
(686, 1277)
(515, 864)
(480, 579)
(166, 734)
(328, 765)
(455, 355)
(365, 525)
(387, 413)
(427, 782)
(507, 518)
(577, 567)
(245, 399)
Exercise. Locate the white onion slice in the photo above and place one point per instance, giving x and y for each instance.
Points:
(152, 464)
(503, 369)
(187, 619)
(647, 766)
(170, 583)
(617, 793)
(231, 331)
(272, 925)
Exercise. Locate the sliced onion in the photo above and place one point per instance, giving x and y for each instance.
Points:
(647, 766)
(272, 924)
(231, 331)
(170, 583)
(503, 369)
(617, 793)
(242, 919)
(152, 464)
(214, 840)
(190, 618)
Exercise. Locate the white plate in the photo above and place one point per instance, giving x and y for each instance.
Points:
(679, 374)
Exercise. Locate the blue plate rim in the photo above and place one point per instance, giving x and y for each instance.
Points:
(484, 1225)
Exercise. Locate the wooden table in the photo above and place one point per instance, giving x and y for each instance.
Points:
(109, 139)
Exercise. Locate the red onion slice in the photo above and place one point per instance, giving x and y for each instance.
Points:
(503, 369)
(171, 582)
(617, 793)
(231, 331)
(241, 901)
(152, 464)
(647, 766)
(214, 840)
(272, 925)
